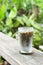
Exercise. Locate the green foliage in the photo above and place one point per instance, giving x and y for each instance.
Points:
(2, 11)
(16, 13)
(0, 59)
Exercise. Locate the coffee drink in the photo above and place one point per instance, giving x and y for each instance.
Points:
(25, 39)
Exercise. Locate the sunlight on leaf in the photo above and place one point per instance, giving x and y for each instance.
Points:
(19, 19)
(2, 11)
(9, 22)
(13, 13)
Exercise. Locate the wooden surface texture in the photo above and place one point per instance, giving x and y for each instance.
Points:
(9, 49)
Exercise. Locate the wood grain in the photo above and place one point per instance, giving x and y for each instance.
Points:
(9, 49)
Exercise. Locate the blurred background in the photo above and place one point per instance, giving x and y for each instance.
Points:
(17, 13)
(20, 13)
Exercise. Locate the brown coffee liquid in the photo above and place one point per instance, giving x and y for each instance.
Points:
(25, 38)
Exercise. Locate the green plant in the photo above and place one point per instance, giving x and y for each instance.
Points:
(0, 59)
(16, 13)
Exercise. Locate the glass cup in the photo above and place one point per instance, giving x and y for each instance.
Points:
(25, 38)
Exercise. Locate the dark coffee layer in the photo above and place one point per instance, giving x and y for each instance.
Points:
(25, 38)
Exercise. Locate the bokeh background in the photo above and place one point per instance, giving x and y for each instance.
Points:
(20, 13)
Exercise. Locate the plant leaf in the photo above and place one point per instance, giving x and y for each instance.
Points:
(9, 22)
(16, 24)
(13, 13)
(19, 19)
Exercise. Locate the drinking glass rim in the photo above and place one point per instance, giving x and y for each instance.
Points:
(25, 29)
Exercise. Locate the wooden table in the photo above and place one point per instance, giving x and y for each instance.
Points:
(9, 50)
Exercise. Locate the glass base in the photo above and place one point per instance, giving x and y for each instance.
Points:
(26, 53)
